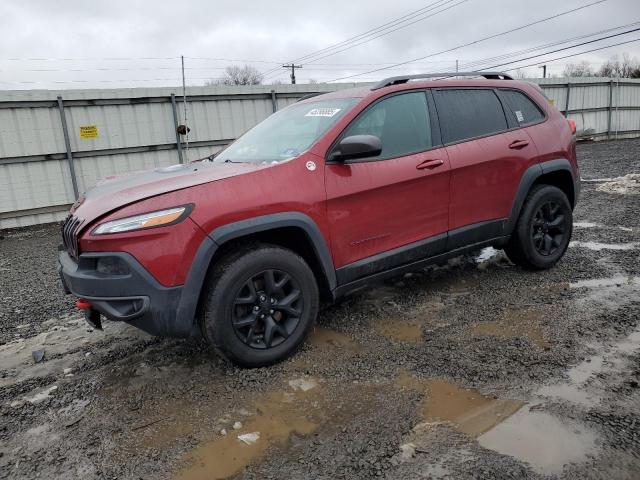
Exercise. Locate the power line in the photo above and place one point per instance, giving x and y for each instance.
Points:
(393, 23)
(483, 39)
(472, 65)
(573, 54)
(390, 31)
(561, 49)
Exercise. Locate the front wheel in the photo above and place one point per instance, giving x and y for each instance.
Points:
(543, 230)
(260, 305)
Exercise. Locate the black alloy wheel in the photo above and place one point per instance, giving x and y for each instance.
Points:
(267, 309)
(543, 230)
(259, 304)
(548, 228)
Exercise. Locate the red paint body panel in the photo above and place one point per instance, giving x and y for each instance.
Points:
(485, 174)
(373, 207)
(361, 209)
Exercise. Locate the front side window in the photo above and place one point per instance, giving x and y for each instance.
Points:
(287, 133)
(525, 111)
(469, 113)
(401, 122)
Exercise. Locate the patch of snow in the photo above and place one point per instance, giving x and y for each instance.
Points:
(604, 246)
(41, 396)
(627, 185)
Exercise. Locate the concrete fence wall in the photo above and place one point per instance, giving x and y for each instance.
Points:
(43, 165)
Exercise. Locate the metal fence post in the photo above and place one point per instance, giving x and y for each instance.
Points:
(274, 104)
(67, 145)
(174, 107)
(609, 109)
(566, 103)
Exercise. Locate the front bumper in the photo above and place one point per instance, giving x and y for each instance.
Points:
(134, 297)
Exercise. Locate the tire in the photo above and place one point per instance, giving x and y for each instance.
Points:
(256, 318)
(543, 230)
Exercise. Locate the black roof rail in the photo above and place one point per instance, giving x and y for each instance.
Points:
(405, 78)
(309, 95)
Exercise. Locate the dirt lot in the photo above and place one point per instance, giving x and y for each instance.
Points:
(476, 369)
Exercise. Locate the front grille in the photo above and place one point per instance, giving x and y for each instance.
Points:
(70, 228)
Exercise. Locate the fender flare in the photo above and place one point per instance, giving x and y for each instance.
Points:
(202, 259)
(529, 177)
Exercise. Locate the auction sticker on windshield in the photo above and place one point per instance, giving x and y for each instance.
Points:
(322, 112)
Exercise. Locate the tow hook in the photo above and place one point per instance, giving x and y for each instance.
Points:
(91, 316)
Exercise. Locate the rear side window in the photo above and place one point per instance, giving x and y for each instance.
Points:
(401, 122)
(469, 113)
(525, 111)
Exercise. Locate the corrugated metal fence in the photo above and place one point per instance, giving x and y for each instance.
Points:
(115, 131)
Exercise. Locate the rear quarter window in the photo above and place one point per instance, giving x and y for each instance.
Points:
(524, 109)
(469, 113)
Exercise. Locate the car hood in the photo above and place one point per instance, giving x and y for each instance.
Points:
(119, 190)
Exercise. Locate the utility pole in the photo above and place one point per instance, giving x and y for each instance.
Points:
(544, 71)
(293, 67)
(457, 66)
(184, 99)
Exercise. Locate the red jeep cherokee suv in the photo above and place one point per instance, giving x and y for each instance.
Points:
(319, 200)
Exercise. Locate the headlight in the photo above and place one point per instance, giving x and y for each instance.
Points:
(144, 221)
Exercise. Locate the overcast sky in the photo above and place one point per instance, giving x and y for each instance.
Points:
(81, 39)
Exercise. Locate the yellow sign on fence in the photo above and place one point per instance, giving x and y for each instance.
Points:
(89, 131)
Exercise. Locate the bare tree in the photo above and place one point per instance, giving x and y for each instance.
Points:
(626, 68)
(235, 75)
(582, 69)
(520, 74)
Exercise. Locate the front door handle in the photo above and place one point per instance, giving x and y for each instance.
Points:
(430, 164)
(518, 144)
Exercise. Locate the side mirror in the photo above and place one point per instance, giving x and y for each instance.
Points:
(357, 146)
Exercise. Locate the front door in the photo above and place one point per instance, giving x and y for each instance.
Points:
(393, 208)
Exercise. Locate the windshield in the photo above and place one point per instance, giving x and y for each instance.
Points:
(287, 133)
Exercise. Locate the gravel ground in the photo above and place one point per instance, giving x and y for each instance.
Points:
(474, 369)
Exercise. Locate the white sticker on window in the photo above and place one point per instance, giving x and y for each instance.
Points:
(519, 116)
(322, 112)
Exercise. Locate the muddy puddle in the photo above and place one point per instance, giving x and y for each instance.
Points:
(276, 418)
(526, 323)
(579, 389)
(298, 411)
(325, 337)
(611, 291)
(467, 410)
(547, 442)
(541, 440)
(399, 330)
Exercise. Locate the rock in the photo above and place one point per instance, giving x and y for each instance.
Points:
(67, 370)
(407, 451)
(223, 431)
(237, 425)
(38, 355)
(303, 384)
(249, 438)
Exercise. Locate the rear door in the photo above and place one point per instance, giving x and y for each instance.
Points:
(378, 205)
(488, 155)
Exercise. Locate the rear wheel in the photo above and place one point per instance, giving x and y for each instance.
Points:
(543, 230)
(260, 305)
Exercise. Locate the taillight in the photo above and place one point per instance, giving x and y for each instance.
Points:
(572, 125)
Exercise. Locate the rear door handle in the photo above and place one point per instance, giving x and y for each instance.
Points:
(430, 164)
(518, 144)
